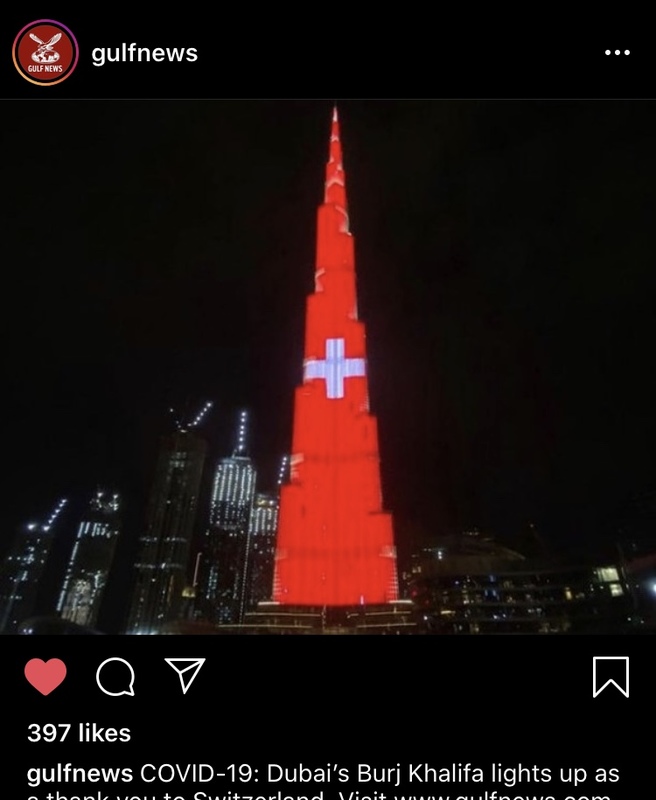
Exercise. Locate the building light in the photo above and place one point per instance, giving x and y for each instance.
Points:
(607, 574)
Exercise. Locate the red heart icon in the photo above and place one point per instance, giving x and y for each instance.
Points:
(45, 676)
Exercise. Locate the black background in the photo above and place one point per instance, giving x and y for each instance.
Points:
(503, 252)
(279, 53)
(347, 699)
(315, 700)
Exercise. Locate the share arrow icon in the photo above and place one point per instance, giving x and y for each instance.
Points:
(187, 669)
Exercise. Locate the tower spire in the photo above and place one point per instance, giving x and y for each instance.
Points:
(335, 187)
(242, 437)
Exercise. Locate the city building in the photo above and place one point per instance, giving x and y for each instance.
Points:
(222, 590)
(640, 572)
(335, 544)
(261, 549)
(90, 561)
(635, 542)
(23, 569)
(164, 549)
(473, 585)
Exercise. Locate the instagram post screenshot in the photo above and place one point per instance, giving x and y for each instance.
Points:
(330, 412)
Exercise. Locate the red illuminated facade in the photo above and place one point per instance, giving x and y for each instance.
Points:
(335, 542)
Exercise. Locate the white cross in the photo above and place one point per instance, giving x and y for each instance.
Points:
(334, 369)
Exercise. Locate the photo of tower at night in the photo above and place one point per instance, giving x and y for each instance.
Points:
(335, 553)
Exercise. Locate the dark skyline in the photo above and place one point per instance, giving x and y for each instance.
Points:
(160, 252)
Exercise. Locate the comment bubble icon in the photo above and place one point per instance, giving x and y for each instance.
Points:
(116, 680)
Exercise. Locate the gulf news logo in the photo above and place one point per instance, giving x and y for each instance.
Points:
(45, 52)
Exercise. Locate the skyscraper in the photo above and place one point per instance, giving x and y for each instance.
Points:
(90, 561)
(224, 548)
(162, 564)
(335, 542)
(23, 569)
(261, 548)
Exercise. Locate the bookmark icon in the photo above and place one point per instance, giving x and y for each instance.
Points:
(187, 669)
(608, 671)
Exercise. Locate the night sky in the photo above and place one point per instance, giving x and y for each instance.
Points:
(158, 253)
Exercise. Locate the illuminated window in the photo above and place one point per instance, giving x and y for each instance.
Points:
(607, 574)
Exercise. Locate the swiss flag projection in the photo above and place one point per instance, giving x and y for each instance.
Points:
(335, 543)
